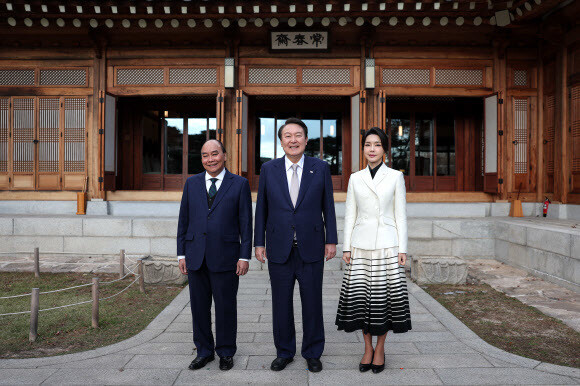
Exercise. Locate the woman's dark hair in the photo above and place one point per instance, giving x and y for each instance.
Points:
(295, 121)
(382, 136)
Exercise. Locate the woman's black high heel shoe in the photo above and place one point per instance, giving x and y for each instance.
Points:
(378, 368)
(364, 367)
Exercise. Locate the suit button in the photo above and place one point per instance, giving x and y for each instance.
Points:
(204, 233)
(208, 217)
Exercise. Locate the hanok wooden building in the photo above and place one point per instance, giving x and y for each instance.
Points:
(480, 99)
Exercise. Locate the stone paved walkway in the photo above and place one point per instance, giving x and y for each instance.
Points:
(439, 350)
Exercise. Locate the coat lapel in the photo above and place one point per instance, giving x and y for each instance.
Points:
(282, 179)
(308, 173)
(366, 176)
(226, 183)
(381, 174)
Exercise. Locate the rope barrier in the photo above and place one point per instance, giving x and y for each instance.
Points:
(65, 289)
(68, 305)
(16, 313)
(120, 292)
(15, 296)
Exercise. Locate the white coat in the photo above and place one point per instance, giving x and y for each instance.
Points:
(376, 211)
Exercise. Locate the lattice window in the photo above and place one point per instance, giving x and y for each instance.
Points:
(48, 135)
(521, 78)
(272, 76)
(575, 126)
(549, 135)
(192, 75)
(406, 76)
(455, 77)
(74, 134)
(17, 77)
(4, 131)
(521, 136)
(326, 76)
(63, 77)
(23, 135)
(140, 76)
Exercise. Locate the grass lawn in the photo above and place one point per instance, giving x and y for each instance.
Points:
(68, 330)
(509, 324)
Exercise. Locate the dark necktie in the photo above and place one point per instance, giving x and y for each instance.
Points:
(212, 189)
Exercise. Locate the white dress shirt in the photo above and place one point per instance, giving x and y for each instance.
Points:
(289, 170)
(218, 183)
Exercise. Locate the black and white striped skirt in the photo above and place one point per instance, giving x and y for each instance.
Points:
(373, 297)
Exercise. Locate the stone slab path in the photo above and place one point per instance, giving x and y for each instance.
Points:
(439, 350)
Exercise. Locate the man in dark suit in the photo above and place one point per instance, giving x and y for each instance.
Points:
(214, 245)
(295, 211)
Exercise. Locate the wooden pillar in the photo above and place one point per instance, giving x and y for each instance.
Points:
(34, 308)
(564, 114)
(561, 162)
(541, 168)
(505, 164)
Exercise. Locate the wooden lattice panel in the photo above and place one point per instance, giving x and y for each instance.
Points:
(48, 135)
(70, 77)
(412, 76)
(326, 76)
(272, 75)
(458, 77)
(575, 128)
(4, 133)
(16, 77)
(520, 136)
(521, 78)
(140, 76)
(74, 134)
(23, 135)
(192, 75)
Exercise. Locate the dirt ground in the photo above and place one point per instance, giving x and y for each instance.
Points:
(507, 323)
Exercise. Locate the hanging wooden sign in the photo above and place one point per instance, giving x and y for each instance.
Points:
(298, 41)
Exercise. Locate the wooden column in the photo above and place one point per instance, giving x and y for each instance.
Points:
(540, 132)
(561, 166)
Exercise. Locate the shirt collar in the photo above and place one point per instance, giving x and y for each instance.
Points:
(220, 176)
(290, 163)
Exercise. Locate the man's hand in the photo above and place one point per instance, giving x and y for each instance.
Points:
(329, 251)
(402, 258)
(182, 266)
(261, 254)
(346, 257)
(242, 268)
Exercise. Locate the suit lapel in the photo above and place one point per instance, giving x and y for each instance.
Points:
(369, 180)
(202, 190)
(308, 173)
(226, 183)
(282, 178)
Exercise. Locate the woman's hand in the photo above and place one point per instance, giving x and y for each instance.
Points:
(346, 257)
(402, 258)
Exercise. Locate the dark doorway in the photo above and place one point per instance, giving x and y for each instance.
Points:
(160, 140)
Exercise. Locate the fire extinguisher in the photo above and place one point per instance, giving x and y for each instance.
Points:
(546, 203)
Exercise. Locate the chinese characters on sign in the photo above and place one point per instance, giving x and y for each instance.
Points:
(298, 40)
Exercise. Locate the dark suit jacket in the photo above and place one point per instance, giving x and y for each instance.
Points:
(222, 234)
(313, 218)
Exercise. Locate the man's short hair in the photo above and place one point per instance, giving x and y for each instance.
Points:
(218, 141)
(295, 121)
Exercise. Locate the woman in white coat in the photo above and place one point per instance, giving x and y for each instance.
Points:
(373, 297)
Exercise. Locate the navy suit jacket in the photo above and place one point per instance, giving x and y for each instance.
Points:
(313, 218)
(222, 234)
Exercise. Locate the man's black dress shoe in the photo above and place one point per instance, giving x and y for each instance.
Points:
(314, 365)
(226, 363)
(378, 368)
(200, 362)
(280, 364)
(364, 367)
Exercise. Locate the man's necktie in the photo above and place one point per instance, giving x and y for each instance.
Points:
(294, 186)
(212, 189)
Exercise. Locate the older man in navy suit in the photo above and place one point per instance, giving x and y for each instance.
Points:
(295, 211)
(214, 245)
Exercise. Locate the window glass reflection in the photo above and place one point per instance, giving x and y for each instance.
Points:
(400, 142)
(332, 143)
(196, 137)
(423, 144)
(313, 123)
(445, 144)
(173, 145)
(151, 143)
(266, 131)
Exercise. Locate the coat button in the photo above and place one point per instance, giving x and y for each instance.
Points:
(204, 233)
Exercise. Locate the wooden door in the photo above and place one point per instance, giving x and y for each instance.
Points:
(491, 140)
